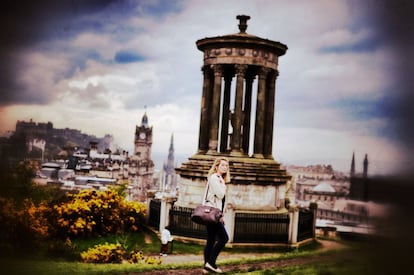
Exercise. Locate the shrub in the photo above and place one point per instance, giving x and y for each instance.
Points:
(23, 225)
(115, 253)
(93, 213)
(104, 253)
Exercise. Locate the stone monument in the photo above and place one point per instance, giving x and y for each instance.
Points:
(237, 122)
(257, 180)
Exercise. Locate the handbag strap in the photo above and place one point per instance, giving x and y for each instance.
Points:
(205, 199)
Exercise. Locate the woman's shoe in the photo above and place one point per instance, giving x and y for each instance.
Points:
(211, 268)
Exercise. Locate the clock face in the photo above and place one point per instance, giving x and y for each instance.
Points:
(142, 135)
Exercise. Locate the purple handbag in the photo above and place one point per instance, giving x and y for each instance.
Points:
(204, 214)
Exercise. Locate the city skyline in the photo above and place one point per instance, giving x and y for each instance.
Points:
(98, 66)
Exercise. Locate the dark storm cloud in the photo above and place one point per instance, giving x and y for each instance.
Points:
(47, 26)
(367, 45)
(395, 19)
(26, 24)
(394, 25)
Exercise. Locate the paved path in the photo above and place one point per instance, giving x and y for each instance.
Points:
(191, 258)
(223, 256)
(240, 266)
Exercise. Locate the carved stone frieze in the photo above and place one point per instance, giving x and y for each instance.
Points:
(234, 55)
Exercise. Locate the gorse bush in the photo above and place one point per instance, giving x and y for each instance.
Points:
(96, 213)
(116, 253)
(23, 224)
(104, 253)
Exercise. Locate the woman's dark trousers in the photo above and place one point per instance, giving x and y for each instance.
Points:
(216, 239)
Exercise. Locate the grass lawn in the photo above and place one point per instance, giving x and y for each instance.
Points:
(147, 241)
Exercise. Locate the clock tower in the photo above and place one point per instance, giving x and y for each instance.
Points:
(141, 164)
(143, 140)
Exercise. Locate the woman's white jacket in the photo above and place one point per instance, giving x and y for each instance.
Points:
(216, 191)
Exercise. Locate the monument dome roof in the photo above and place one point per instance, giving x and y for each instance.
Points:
(241, 39)
(324, 187)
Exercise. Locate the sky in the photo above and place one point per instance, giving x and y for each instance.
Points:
(98, 66)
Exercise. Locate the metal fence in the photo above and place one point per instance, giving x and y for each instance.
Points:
(182, 225)
(306, 228)
(261, 228)
(154, 213)
(248, 227)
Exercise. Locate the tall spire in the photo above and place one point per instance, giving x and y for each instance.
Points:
(353, 165)
(366, 166)
(170, 162)
(170, 180)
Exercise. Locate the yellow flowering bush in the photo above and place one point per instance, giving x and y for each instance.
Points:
(104, 253)
(96, 213)
(22, 224)
(153, 260)
(136, 256)
(115, 253)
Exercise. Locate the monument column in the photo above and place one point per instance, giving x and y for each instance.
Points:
(260, 114)
(269, 115)
(215, 109)
(238, 112)
(247, 113)
(224, 136)
(205, 111)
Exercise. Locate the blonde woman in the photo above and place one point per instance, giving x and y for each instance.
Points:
(217, 236)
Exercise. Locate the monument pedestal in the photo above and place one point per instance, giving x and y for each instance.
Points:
(256, 184)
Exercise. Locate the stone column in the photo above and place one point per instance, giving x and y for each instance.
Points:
(224, 135)
(246, 114)
(269, 115)
(260, 114)
(166, 205)
(238, 112)
(205, 111)
(215, 109)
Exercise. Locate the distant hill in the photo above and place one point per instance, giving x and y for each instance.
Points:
(58, 142)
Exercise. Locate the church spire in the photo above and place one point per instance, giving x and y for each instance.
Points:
(366, 166)
(170, 180)
(353, 165)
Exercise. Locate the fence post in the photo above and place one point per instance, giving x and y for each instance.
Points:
(314, 207)
(166, 205)
(293, 224)
(229, 219)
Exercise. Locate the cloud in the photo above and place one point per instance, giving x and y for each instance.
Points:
(103, 61)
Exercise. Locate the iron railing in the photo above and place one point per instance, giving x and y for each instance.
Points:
(154, 213)
(248, 227)
(305, 226)
(261, 228)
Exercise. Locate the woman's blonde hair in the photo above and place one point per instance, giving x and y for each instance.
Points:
(216, 163)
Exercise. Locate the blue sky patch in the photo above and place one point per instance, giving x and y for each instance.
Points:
(125, 56)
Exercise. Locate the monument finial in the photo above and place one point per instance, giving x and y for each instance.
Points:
(243, 22)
